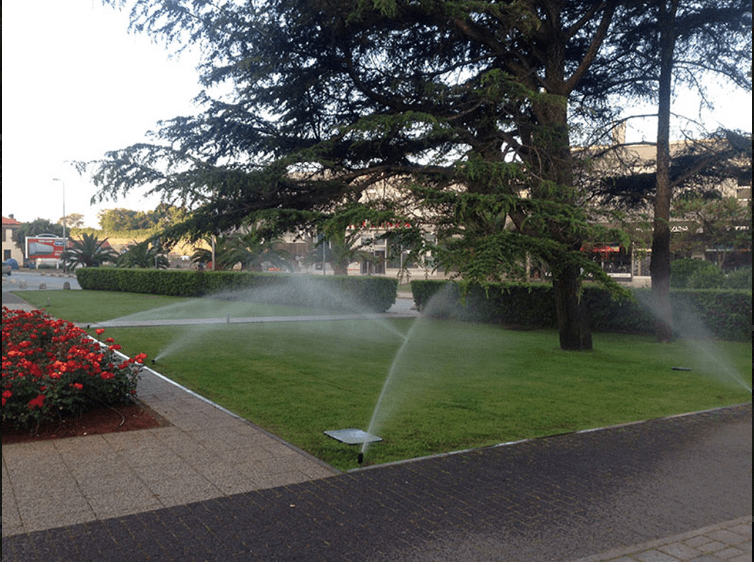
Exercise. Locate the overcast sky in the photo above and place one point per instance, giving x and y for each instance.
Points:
(76, 84)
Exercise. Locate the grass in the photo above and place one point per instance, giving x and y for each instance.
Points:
(452, 385)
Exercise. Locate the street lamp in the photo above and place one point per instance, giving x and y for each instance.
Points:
(63, 183)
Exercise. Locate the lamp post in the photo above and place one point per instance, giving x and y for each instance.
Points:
(63, 183)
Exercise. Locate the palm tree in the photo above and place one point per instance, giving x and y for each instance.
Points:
(87, 252)
(253, 250)
(345, 247)
(144, 256)
(203, 256)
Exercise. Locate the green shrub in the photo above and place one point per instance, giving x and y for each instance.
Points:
(723, 314)
(707, 279)
(685, 272)
(372, 293)
(740, 279)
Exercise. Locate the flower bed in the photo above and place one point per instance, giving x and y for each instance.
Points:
(53, 369)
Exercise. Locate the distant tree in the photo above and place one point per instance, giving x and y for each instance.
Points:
(88, 251)
(714, 222)
(166, 215)
(72, 221)
(122, 219)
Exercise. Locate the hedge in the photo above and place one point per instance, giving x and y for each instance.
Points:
(375, 294)
(723, 314)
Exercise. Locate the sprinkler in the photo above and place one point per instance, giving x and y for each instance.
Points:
(354, 436)
(154, 361)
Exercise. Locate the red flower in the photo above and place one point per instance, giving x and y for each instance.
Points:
(37, 402)
(99, 331)
(77, 386)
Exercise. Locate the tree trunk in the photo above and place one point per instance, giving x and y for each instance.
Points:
(660, 263)
(573, 322)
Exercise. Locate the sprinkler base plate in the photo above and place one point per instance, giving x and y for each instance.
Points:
(352, 436)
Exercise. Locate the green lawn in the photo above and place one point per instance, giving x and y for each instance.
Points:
(452, 385)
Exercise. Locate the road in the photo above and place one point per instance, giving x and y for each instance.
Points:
(31, 280)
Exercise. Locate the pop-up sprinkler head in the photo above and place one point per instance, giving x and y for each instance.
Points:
(154, 361)
(360, 458)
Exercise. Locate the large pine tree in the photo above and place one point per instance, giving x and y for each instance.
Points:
(461, 107)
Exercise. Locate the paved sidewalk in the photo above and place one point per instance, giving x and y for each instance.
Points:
(728, 541)
(205, 453)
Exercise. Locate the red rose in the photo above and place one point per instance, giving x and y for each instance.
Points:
(37, 402)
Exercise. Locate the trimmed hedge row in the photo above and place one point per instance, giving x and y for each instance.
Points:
(723, 314)
(376, 294)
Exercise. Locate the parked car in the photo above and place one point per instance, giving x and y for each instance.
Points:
(6, 268)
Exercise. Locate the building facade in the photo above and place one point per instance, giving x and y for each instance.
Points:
(10, 249)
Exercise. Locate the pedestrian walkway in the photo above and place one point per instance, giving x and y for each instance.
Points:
(205, 452)
(728, 541)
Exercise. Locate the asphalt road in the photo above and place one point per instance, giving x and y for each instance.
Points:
(31, 280)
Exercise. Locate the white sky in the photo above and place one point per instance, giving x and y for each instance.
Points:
(76, 84)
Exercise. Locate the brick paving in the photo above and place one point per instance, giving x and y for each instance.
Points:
(564, 498)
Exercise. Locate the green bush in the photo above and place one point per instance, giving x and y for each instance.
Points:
(740, 279)
(690, 273)
(707, 279)
(372, 293)
(723, 314)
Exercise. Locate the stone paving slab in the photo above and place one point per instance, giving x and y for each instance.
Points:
(727, 541)
(205, 452)
(563, 498)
